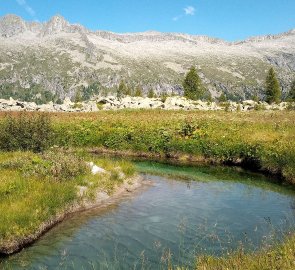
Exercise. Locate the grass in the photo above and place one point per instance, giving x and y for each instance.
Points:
(261, 140)
(35, 188)
(279, 257)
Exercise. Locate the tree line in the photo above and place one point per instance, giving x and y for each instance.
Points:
(194, 88)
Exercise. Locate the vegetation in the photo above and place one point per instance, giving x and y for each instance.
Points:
(273, 89)
(151, 94)
(36, 188)
(90, 90)
(26, 132)
(123, 90)
(138, 91)
(280, 257)
(222, 98)
(291, 96)
(192, 85)
(259, 139)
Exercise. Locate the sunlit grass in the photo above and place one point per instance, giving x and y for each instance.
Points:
(281, 256)
(28, 200)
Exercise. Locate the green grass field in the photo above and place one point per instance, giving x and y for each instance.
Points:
(36, 188)
(260, 140)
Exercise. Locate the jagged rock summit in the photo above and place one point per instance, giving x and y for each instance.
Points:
(56, 59)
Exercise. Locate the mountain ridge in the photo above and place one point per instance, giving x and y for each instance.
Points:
(58, 21)
(59, 59)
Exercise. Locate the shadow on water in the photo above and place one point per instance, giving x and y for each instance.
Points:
(189, 210)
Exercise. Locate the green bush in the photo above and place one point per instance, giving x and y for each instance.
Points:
(26, 132)
(54, 165)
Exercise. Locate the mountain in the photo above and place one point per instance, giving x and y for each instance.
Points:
(56, 59)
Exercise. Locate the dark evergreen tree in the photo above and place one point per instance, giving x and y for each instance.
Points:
(138, 92)
(78, 97)
(273, 89)
(222, 98)
(192, 85)
(255, 98)
(151, 93)
(128, 91)
(292, 92)
(122, 90)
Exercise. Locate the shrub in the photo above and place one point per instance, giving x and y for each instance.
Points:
(26, 132)
(55, 165)
(259, 107)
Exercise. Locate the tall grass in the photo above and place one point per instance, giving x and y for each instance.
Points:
(35, 188)
(259, 140)
(26, 132)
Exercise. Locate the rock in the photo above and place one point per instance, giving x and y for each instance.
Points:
(113, 103)
(95, 169)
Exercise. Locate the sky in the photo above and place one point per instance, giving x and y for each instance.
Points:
(227, 19)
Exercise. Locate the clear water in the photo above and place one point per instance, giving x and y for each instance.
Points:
(168, 222)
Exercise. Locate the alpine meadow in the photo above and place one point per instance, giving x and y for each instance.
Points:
(131, 148)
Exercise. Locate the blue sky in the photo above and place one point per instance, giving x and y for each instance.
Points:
(227, 19)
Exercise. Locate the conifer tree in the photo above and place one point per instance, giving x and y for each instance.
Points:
(151, 93)
(192, 85)
(222, 98)
(292, 91)
(78, 97)
(138, 92)
(273, 89)
(122, 89)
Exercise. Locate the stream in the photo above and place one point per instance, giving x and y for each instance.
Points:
(185, 212)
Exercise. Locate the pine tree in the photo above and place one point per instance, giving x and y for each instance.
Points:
(122, 90)
(151, 93)
(78, 97)
(273, 89)
(255, 98)
(138, 92)
(292, 91)
(192, 85)
(222, 98)
(128, 91)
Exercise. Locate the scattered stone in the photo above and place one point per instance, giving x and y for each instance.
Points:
(114, 103)
(95, 169)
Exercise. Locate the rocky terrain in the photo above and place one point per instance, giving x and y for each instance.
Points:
(113, 103)
(49, 61)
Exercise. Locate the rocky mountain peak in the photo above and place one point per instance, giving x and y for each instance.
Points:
(55, 25)
(11, 25)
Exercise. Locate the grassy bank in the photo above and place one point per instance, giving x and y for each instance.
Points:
(259, 140)
(279, 257)
(38, 190)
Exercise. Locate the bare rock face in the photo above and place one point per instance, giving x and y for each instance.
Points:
(56, 59)
(11, 25)
(58, 24)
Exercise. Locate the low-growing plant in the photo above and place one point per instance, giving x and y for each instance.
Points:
(26, 132)
(259, 107)
(56, 165)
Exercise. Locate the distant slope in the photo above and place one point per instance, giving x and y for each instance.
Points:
(56, 59)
